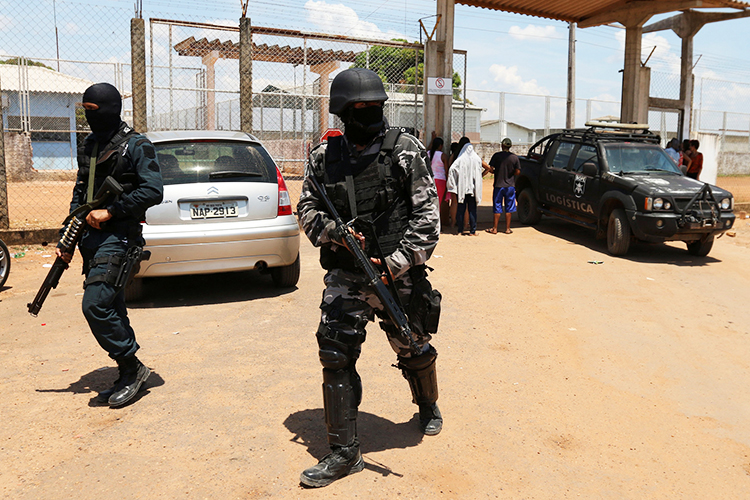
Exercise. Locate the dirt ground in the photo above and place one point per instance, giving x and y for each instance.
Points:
(558, 379)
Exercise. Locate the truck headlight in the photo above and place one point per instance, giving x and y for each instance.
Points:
(726, 204)
(658, 203)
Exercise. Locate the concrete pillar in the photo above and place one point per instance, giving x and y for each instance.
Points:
(445, 34)
(631, 74)
(686, 87)
(439, 63)
(246, 76)
(323, 69)
(570, 115)
(209, 60)
(138, 73)
(644, 85)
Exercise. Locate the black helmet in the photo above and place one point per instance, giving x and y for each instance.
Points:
(355, 85)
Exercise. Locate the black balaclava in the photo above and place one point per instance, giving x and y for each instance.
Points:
(361, 125)
(104, 121)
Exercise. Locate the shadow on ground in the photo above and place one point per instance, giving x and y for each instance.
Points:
(375, 434)
(101, 379)
(674, 253)
(204, 289)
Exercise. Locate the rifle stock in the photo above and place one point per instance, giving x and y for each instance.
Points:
(391, 307)
(74, 225)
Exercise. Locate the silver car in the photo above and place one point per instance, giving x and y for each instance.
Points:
(226, 208)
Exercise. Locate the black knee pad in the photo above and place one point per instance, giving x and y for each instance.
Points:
(420, 362)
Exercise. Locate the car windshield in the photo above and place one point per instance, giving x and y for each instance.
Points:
(185, 162)
(627, 158)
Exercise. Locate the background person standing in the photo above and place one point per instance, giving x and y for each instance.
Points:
(696, 160)
(506, 166)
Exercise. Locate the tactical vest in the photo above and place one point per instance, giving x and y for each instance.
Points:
(110, 161)
(370, 190)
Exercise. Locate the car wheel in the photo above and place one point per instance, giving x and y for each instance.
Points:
(701, 247)
(134, 290)
(286, 276)
(618, 233)
(4, 263)
(528, 208)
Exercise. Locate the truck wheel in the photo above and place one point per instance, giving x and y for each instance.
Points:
(701, 247)
(286, 276)
(618, 233)
(134, 290)
(4, 263)
(528, 208)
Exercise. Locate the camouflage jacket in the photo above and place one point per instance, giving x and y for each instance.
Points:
(418, 241)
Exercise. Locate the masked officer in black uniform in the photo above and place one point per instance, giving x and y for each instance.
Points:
(113, 233)
(379, 175)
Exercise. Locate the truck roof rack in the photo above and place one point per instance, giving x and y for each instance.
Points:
(613, 132)
(618, 126)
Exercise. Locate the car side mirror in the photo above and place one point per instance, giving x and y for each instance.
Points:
(589, 169)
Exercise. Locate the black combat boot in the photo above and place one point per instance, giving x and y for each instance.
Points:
(342, 461)
(133, 373)
(430, 419)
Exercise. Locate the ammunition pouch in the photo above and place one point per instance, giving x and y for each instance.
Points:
(424, 305)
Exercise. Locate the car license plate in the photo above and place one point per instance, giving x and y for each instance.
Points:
(218, 210)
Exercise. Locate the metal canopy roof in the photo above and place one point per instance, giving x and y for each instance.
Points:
(596, 12)
(263, 52)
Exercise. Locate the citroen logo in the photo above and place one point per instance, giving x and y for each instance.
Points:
(213, 190)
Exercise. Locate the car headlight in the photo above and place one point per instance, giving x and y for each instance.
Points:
(726, 203)
(667, 205)
(658, 203)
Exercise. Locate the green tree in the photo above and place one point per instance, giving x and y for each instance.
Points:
(395, 65)
(16, 61)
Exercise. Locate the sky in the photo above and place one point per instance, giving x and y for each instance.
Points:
(506, 52)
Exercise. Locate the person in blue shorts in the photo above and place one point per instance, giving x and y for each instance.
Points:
(506, 167)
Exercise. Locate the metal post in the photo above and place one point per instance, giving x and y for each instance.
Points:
(304, 96)
(500, 116)
(723, 126)
(4, 217)
(138, 73)
(246, 75)
(466, 63)
(151, 42)
(171, 93)
(588, 110)
(546, 115)
(416, 85)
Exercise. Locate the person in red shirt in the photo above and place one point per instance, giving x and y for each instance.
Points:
(696, 164)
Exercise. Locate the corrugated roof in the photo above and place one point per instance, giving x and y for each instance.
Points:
(41, 80)
(596, 11)
(263, 52)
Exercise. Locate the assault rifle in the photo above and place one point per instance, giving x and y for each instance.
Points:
(72, 232)
(392, 308)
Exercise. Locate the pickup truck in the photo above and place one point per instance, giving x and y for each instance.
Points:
(616, 180)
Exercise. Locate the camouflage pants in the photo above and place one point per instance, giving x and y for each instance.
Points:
(347, 295)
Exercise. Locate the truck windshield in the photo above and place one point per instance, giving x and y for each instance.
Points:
(638, 158)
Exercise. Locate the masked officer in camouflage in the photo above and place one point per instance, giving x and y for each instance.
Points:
(113, 149)
(378, 175)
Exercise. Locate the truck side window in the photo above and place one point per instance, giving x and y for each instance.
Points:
(562, 155)
(586, 154)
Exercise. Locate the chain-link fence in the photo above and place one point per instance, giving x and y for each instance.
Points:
(44, 68)
(192, 83)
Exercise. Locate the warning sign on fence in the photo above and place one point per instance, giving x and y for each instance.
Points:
(439, 86)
